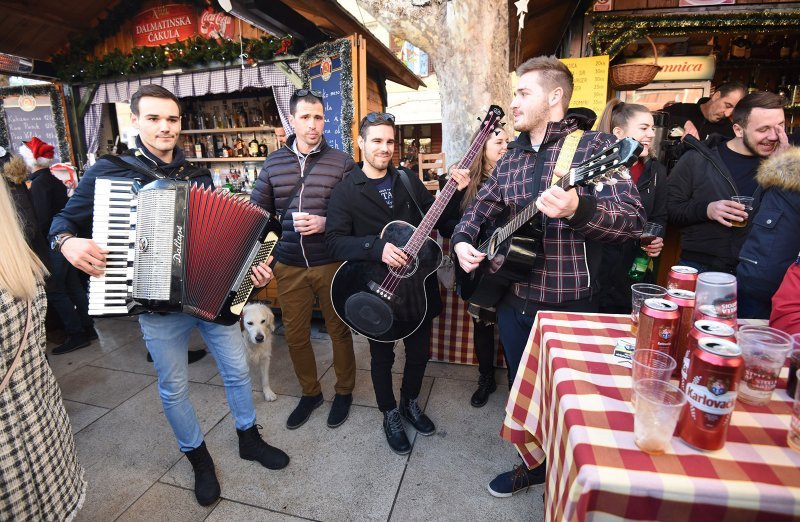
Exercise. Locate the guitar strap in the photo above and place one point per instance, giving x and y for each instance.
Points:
(407, 185)
(567, 154)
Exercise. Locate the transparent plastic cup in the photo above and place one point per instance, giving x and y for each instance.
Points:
(650, 364)
(656, 414)
(640, 292)
(764, 350)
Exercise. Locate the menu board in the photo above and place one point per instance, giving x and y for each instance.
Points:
(29, 116)
(591, 82)
(326, 77)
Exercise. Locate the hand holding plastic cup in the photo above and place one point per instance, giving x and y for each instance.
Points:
(764, 350)
(650, 364)
(747, 201)
(640, 292)
(650, 232)
(298, 216)
(656, 414)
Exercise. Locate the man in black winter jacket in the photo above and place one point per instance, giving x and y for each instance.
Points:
(156, 114)
(296, 183)
(706, 178)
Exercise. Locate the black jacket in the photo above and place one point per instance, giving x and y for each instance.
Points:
(357, 214)
(324, 169)
(699, 178)
(615, 286)
(49, 196)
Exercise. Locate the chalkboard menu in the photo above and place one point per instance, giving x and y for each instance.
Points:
(326, 77)
(28, 116)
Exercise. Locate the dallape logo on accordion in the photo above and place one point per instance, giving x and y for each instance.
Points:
(177, 257)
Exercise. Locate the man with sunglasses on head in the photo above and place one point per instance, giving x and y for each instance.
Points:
(360, 207)
(296, 183)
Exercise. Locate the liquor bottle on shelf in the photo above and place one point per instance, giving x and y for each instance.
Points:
(199, 122)
(216, 120)
(227, 152)
(256, 115)
(737, 48)
(263, 150)
(786, 49)
(218, 146)
(199, 148)
(188, 147)
(208, 151)
(252, 147)
(753, 85)
(242, 116)
(782, 89)
(239, 148)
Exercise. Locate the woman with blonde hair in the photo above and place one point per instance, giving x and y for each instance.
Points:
(631, 120)
(483, 320)
(39, 473)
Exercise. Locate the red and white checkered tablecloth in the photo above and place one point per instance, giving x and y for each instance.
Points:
(451, 333)
(571, 403)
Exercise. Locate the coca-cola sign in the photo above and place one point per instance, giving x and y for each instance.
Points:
(164, 24)
(214, 24)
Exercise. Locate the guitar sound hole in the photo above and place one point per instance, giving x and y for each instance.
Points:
(405, 271)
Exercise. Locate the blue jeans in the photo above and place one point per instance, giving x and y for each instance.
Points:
(167, 340)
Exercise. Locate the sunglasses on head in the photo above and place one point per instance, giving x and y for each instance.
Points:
(379, 117)
(302, 93)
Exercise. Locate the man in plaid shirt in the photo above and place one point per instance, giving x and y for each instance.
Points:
(575, 222)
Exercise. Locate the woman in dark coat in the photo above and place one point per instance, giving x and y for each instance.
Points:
(630, 120)
(483, 339)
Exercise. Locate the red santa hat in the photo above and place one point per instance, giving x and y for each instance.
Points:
(37, 153)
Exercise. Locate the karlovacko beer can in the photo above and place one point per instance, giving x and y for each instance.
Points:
(685, 301)
(713, 377)
(702, 328)
(658, 320)
(682, 277)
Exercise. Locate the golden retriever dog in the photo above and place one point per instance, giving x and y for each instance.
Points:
(258, 323)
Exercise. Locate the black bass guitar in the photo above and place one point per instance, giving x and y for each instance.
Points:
(388, 304)
(512, 248)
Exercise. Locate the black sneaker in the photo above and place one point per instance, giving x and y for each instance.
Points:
(91, 334)
(73, 342)
(410, 410)
(518, 479)
(302, 412)
(486, 386)
(395, 433)
(340, 410)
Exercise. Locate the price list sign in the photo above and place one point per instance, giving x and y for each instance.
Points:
(29, 116)
(591, 82)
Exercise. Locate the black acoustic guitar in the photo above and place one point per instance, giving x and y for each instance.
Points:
(512, 248)
(388, 304)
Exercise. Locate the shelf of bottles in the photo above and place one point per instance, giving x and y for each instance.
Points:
(238, 130)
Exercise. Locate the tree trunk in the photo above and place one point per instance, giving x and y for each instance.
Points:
(467, 41)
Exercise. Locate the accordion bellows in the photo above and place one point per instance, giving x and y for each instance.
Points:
(176, 247)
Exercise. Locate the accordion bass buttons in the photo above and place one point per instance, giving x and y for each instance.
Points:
(142, 245)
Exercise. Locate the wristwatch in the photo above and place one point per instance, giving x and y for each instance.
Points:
(58, 241)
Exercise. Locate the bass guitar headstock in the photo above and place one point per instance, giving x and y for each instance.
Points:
(600, 168)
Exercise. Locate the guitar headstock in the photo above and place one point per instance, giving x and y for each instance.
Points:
(601, 167)
(493, 115)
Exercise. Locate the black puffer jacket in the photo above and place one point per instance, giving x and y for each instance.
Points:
(324, 169)
(700, 178)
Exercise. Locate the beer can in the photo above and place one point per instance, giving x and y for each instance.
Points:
(685, 301)
(682, 277)
(658, 320)
(702, 328)
(714, 372)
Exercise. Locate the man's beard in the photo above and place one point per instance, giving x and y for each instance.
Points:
(753, 148)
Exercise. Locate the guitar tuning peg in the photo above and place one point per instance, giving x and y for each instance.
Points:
(611, 181)
(624, 173)
(598, 187)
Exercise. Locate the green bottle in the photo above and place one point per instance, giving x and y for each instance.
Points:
(639, 267)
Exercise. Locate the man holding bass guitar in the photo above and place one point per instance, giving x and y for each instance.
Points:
(359, 209)
(573, 221)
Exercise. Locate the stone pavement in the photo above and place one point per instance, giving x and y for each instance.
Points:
(136, 472)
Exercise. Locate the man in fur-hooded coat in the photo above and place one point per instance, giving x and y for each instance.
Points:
(773, 240)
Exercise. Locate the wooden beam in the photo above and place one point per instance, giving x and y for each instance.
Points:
(24, 11)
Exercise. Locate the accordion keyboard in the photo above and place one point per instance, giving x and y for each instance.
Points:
(113, 230)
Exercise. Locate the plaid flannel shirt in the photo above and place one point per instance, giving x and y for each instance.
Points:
(614, 214)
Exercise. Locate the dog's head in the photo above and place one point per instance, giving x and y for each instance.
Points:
(258, 321)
